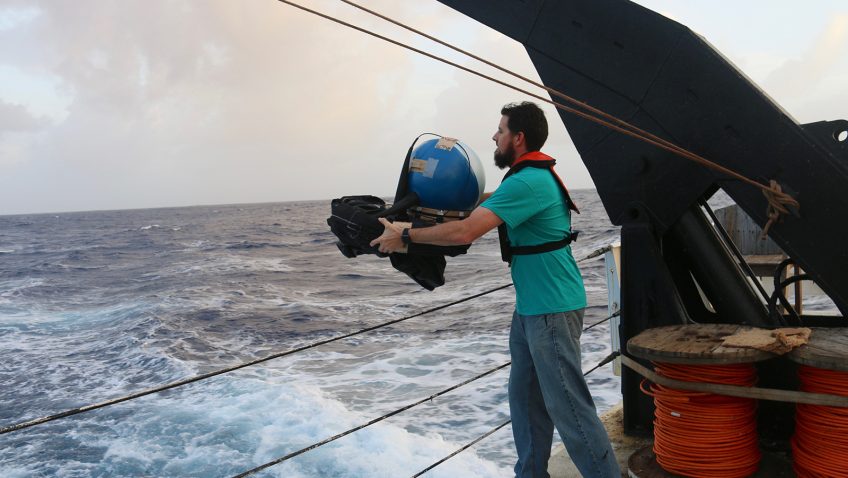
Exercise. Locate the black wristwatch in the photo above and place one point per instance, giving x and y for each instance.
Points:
(404, 236)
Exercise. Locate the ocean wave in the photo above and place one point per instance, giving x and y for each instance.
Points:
(230, 263)
(235, 424)
(246, 245)
(227, 289)
(14, 287)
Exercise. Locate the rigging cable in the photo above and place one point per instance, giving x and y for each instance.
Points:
(196, 378)
(462, 449)
(778, 201)
(614, 314)
(609, 358)
(779, 294)
(269, 464)
(596, 253)
(376, 420)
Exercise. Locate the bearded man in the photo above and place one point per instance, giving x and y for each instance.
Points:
(532, 210)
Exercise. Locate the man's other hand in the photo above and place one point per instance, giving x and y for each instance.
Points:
(389, 241)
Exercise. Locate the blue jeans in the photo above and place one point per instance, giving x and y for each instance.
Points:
(547, 390)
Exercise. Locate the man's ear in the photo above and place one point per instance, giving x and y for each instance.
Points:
(518, 138)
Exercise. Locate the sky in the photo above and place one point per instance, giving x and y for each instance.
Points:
(117, 104)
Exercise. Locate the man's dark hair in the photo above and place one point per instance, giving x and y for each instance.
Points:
(528, 118)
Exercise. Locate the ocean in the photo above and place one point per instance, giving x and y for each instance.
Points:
(95, 305)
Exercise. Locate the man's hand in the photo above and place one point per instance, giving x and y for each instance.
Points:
(453, 233)
(390, 240)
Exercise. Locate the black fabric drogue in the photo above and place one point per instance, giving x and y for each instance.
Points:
(355, 220)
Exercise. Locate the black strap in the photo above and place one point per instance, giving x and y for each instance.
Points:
(402, 190)
(507, 249)
(403, 183)
(546, 247)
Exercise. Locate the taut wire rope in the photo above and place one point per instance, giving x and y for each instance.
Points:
(333, 438)
(463, 448)
(595, 253)
(778, 201)
(614, 314)
(609, 358)
(179, 383)
(376, 420)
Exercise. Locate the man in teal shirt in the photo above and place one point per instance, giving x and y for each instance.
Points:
(531, 205)
(546, 385)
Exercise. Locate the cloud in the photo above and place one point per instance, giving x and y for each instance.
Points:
(212, 102)
(174, 103)
(131, 103)
(19, 131)
(16, 118)
(474, 117)
(12, 16)
(792, 82)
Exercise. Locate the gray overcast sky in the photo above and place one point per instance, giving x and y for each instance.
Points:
(131, 104)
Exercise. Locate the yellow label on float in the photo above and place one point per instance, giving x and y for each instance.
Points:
(446, 143)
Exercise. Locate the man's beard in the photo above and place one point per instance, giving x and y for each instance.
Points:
(505, 159)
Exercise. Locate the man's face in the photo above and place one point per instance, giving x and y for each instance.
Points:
(504, 149)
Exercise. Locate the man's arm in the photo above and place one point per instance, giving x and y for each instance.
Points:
(453, 233)
(483, 198)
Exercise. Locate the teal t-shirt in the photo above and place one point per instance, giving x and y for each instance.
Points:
(532, 206)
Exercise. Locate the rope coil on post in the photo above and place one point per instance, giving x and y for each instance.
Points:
(704, 435)
(820, 443)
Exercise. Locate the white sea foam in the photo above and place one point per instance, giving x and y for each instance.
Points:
(227, 263)
(85, 317)
(11, 289)
(232, 425)
(202, 304)
(819, 303)
(16, 285)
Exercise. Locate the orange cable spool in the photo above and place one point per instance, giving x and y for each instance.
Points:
(703, 435)
(820, 443)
